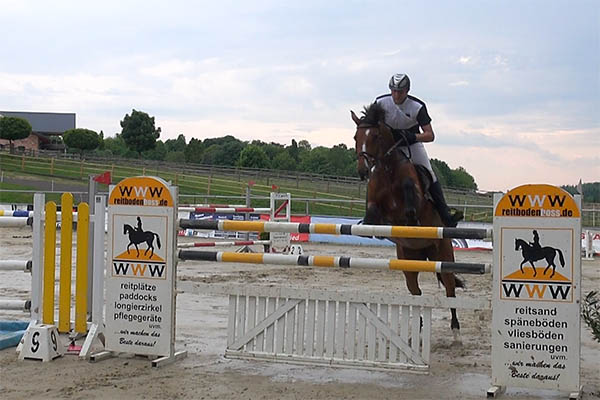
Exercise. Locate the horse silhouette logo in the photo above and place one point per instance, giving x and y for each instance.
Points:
(533, 251)
(138, 235)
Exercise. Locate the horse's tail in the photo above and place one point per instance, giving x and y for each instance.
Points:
(459, 283)
(157, 239)
(561, 258)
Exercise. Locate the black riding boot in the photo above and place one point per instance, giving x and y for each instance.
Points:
(442, 208)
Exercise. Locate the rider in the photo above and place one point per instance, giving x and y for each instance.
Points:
(139, 225)
(405, 115)
(536, 241)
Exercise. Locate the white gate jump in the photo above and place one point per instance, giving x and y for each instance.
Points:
(375, 331)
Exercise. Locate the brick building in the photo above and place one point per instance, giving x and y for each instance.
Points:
(47, 130)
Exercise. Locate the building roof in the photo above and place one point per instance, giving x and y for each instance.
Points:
(45, 122)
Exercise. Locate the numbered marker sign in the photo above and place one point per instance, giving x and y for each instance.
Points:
(536, 289)
(140, 271)
(41, 342)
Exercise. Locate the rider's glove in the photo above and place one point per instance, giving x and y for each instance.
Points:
(404, 136)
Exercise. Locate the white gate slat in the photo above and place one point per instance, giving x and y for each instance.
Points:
(426, 334)
(341, 330)
(251, 321)
(394, 317)
(270, 334)
(331, 319)
(299, 348)
(371, 332)
(240, 324)
(231, 320)
(320, 340)
(310, 328)
(290, 330)
(403, 346)
(351, 336)
(279, 329)
(383, 341)
(415, 333)
(266, 323)
(404, 329)
(362, 330)
(260, 337)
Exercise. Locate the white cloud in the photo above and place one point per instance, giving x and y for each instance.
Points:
(465, 60)
(459, 83)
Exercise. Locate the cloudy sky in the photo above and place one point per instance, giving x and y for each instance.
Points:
(513, 87)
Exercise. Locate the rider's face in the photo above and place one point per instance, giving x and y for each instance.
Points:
(399, 95)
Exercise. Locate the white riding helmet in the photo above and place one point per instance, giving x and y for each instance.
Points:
(399, 82)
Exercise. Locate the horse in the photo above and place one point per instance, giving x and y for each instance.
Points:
(136, 237)
(531, 254)
(397, 194)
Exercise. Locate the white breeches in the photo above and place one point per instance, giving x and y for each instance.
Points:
(419, 156)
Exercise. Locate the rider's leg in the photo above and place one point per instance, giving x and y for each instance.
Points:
(442, 208)
(419, 156)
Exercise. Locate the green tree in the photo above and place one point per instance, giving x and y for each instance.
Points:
(222, 151)
(81, 140)
(293, 150)
(442, 172)
(194, 151)
(138, 131)
(14, 128)
(116, 146)
(284, 162)
(159, 152)
(176, 144)
(317, 161)
(462, 179)
(253, 157)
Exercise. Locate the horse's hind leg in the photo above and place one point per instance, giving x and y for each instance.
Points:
(550, 264)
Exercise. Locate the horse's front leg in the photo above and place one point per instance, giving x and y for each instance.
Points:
(410, 202)
(533, 267)
(137, 249)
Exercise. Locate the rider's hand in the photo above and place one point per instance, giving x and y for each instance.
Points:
(404, 136)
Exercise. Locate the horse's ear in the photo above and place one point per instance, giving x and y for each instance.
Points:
(355, 118)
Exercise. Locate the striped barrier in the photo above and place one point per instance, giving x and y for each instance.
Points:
(16, 305)
(214, 244)
(16, 265)
(12, 222)
(334, 261)
(16, 213)
(415, 232)
(224, 210)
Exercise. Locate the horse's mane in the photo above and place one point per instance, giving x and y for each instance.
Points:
(373, 114)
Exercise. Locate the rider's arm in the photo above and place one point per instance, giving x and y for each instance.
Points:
(426, 135)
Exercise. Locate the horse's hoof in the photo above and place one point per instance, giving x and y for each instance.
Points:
(456, 338)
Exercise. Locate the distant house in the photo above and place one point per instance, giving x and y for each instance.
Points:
(47, 130)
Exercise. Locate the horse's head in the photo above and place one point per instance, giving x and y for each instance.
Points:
(372, 138)
(518, 244)
(126, 228)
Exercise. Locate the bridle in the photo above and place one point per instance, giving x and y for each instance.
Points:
(372, 161)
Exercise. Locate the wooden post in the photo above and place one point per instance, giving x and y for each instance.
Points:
(176, 176)
(81, 168)
(52, 166)
(23, 162)
(208, 186)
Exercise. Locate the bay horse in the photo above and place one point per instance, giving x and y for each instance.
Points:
(397, 194)
(136, 237)
(531, 254)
